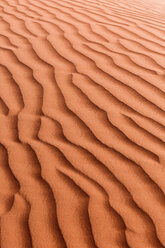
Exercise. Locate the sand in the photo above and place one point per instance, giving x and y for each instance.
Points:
(82, 124)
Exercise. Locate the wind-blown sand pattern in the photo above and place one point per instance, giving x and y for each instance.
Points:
(82, 123)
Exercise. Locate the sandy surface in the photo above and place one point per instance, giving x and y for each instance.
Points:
(82, 123)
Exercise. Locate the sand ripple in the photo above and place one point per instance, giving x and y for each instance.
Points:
(82, 124)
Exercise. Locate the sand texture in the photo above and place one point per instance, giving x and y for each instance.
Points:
(82, 123)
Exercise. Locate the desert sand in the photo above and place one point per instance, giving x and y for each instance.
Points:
(82, 123)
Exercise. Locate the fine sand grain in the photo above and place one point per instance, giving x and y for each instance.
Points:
(82, 123)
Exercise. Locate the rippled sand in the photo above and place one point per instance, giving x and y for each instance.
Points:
(82, 124)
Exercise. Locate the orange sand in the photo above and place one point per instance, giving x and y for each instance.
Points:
(82, 123)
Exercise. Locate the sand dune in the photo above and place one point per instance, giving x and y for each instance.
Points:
(82, 124)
